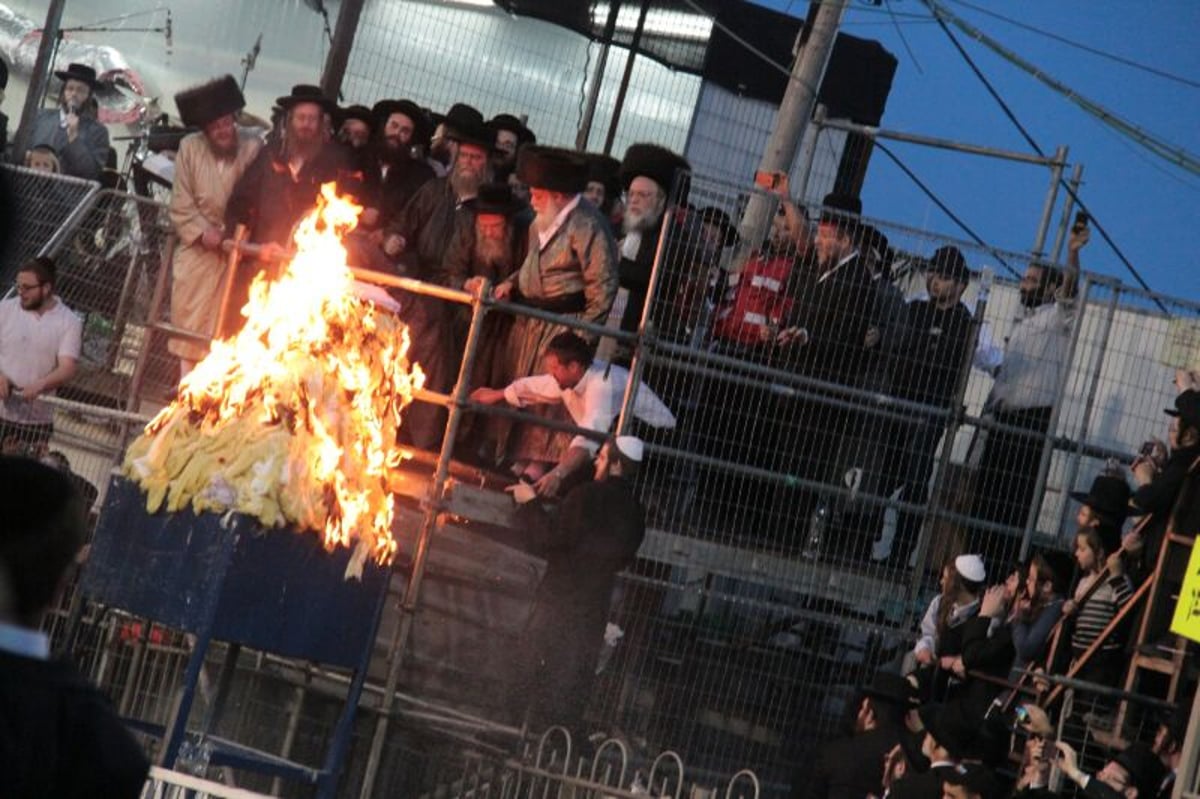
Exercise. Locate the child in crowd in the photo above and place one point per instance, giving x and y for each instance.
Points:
(1099, 560)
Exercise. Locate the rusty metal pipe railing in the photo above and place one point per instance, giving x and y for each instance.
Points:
(433, 512)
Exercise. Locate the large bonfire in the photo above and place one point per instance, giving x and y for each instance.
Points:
(294, 420)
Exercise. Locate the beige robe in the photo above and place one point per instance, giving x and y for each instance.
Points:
(202, 186)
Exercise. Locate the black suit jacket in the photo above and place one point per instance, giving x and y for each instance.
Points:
(849, 768)
(59, 736)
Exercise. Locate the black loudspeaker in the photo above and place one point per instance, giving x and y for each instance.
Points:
(857, 80)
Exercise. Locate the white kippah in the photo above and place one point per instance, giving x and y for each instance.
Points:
(971, 567)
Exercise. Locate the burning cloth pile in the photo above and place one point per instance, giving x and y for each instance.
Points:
(294, 420)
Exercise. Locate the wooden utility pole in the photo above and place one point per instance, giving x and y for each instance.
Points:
(339, 48)
(796, 109)
(40, 77)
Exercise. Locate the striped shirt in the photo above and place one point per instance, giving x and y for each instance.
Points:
(1094, 615)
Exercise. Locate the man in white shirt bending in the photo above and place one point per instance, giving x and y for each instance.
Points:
(591, 391)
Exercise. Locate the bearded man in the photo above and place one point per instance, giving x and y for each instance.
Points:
(355, 124)
(417, 241)
(401, 131)
(571, 269)
(511, 134)
(604, 187)
(282, 184)
(208, 165)
(648, 175)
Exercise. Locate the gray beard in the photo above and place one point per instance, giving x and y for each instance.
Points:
(492, 253)
(465, 186)
(638, 223)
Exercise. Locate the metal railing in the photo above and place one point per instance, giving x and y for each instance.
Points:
(730, 625)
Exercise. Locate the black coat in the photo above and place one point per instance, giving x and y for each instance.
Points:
(594, 534)
(850, 768)
(992, 656)
(59, 737)
(396, 189)
(269, 201)
(836, 312)
(926, 785)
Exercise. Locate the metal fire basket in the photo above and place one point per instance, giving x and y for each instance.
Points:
(226, 578)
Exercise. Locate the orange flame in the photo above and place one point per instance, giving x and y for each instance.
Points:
(294, 419)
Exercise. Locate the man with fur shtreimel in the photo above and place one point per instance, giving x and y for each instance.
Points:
(207, 167)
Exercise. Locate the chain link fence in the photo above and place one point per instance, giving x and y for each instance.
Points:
(829, 457)
(47, 202)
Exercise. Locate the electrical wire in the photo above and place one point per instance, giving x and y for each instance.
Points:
(750, 48)
(1162, 73)
(938, 11)
(944, 208)
(888, 5)
(912, 175)
(1163, 149)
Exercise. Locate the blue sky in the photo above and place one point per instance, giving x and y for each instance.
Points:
(1148, 206)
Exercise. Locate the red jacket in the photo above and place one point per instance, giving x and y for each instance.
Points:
(754, 299)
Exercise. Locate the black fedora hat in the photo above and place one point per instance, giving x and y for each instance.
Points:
(79, 72)
(890, 687)
(307, 93)
(497, 198)
(465, 125)
(715, 216)
(841, 210)
(1108, 496)
(513, 125)
(949, 727)
(1145, 768)
(359, 112)
(385, 108)
(1187, 408)
(949, 262)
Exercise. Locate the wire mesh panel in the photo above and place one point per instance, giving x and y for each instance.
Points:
(43, 201)
(504, 63)
(108, 262)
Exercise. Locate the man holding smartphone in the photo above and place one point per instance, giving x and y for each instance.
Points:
(1028, 374)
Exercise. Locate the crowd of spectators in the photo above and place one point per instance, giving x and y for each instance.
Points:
(473, 203)
(969, 712)
(457, 198)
